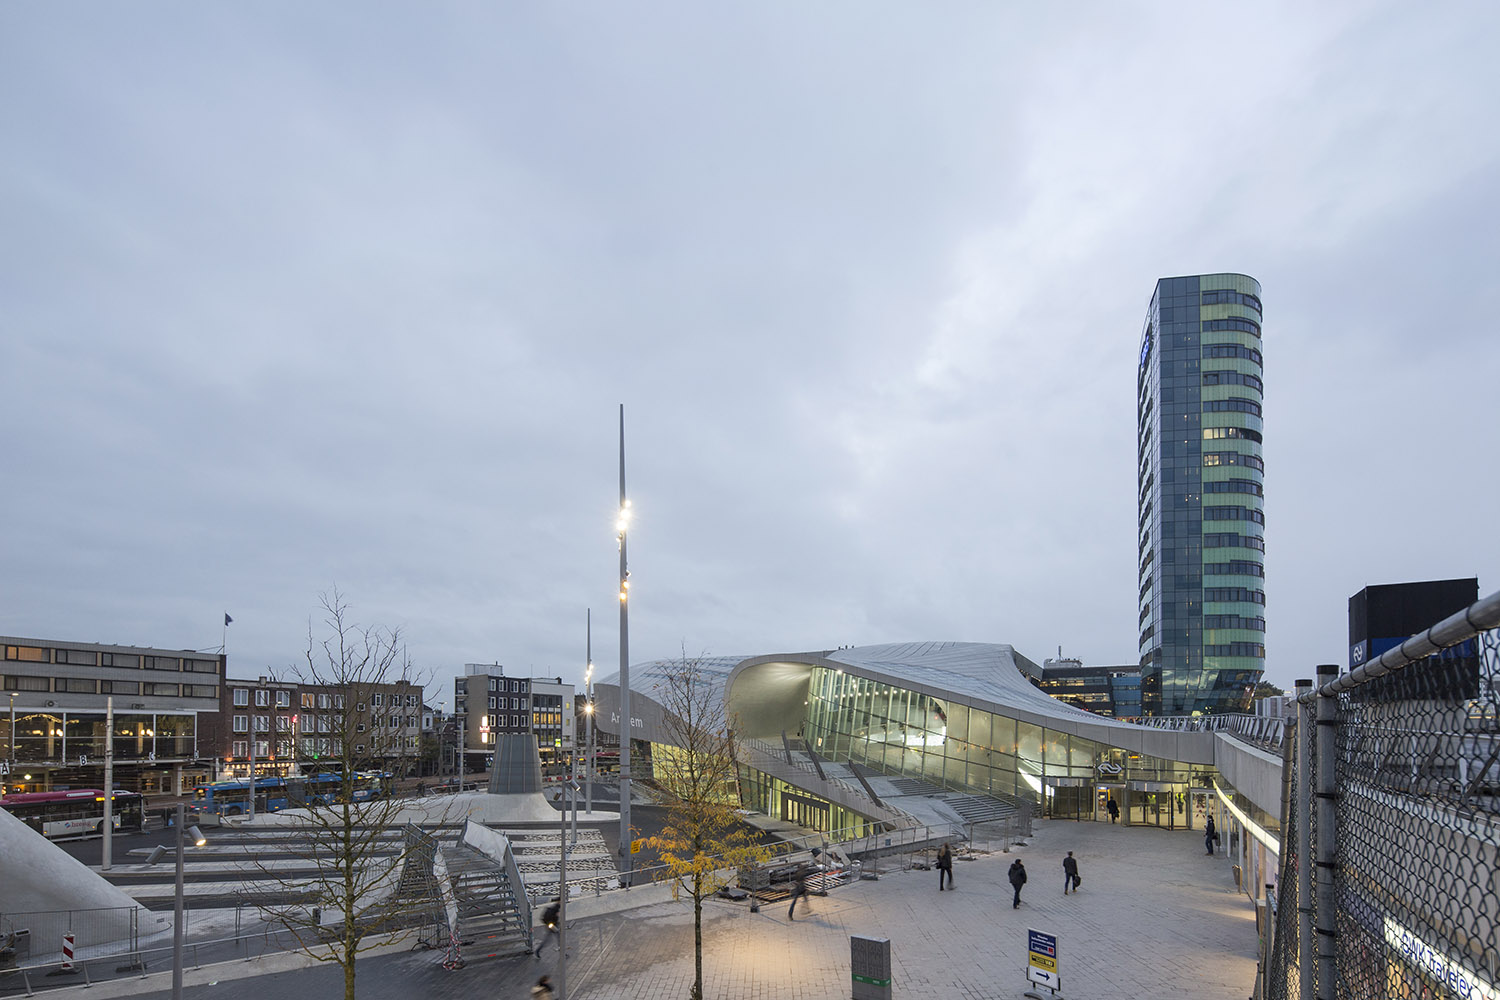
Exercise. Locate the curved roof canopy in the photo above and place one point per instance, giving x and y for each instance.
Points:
(769, 693)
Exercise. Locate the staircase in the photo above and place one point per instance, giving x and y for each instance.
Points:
(490, 922)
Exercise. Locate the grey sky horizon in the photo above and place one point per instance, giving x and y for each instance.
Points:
(303, 296)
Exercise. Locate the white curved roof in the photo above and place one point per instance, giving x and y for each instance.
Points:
(982, 675)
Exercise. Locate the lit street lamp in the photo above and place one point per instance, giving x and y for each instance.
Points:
(156, 855)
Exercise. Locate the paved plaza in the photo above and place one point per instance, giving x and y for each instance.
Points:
(1155, 916)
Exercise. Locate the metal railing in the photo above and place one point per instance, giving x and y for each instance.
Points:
(1387, 884)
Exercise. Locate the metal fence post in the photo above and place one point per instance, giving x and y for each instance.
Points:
(1307, 983)
(1327, 795)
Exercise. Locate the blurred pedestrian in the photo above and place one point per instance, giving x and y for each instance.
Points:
(1210, 836)
(799, 891)
(1017, 879)
(945, 866)
(549, 920)
(1071, 881)
(1113, 808)
(543, 989)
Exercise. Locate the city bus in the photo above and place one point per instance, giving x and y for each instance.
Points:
(232, 798)
(78, 812)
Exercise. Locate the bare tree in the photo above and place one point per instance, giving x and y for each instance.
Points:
(354, 729)
(703, 841)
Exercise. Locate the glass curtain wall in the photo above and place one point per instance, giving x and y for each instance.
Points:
(908, 733)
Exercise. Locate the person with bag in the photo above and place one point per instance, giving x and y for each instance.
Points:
(1071, 880)
(1210, 836)
(945, 866)
(549, 920)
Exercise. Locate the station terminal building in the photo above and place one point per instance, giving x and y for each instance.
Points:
(957, 717)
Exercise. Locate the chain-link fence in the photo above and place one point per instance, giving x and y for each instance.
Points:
(1390, 879)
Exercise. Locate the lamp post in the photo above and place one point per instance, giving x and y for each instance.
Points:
(198, 841)
(626, 859)
(588, 722)
(562, 898)
(13, 725)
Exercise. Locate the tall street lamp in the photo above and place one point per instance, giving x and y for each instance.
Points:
(13, 725)
(622, 525)
(156, 855)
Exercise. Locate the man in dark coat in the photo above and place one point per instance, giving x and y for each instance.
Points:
(1113, 808)
(1017, 879)
(1070, 874)
(799, 891)
(1210, 836)
(945, 866)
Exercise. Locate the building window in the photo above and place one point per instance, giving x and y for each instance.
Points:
(164, 663)
(241, 698)
(359, 748)
(323, 724)
(323, 702)
(338, 702)
(307, 700)
(129, 661)
(262, 699)
(77, 657)
(164, 690)
(262, 748)
(283, 699)
(240, 748)
(200, 691)
(283, 724)
(120, 687)
(241, 724)
(262, 724)
(377, 699)
(359, 728)
(76, 685)
(492, 702)
(30, 654)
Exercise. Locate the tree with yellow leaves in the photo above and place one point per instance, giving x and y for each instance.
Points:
(703, 841)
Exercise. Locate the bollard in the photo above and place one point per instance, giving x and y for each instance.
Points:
(67, 953)
(870, 967)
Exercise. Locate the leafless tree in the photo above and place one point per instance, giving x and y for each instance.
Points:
(354, 729)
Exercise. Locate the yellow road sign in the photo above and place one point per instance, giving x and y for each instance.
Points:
(635, 846)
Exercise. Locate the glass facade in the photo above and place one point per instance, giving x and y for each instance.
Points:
(65, 737)
(1201, 498)
(954, 746)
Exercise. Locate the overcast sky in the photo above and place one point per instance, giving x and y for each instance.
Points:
(303, 295)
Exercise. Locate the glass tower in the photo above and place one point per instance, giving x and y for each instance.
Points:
(1200, 497)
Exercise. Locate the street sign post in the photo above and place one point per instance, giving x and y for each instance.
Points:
(1041, 961)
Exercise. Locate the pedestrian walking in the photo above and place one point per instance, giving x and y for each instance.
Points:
(945, 866)
(1113, 808)
(1210, 836)
(543, 989)
(1017, 879)
(549, 920)
(1071, 881)
(799, 891)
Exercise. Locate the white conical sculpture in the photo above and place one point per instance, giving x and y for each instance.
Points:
(36, 875)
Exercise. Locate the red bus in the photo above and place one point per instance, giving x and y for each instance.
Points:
(75, 813)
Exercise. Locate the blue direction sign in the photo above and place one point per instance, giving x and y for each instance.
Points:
(1041, 959)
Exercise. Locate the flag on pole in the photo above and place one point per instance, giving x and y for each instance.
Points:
(227, 619)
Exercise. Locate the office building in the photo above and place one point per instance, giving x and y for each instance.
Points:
(54, 716)
(1114, 691)
(490, 703)
(1202, 597)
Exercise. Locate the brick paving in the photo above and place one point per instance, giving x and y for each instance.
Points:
(1154, 916)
